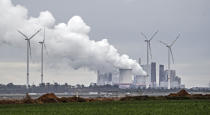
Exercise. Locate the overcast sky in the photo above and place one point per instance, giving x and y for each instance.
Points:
(121, 21)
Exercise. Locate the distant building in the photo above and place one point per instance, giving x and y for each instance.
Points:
(175, 84)
(125, 78)
(173, 75)
(104, 78)
(178, 79)
(161, 74)
(163, 79)
(144, 67)
(139, 81)
(175, 81)
(153, 74)
(163, 84)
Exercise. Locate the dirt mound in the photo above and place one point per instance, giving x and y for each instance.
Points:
(183, 93)
(48, 98)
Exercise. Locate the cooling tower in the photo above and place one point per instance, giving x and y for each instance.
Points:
(125, 78)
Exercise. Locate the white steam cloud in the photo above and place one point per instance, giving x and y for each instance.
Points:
(67, 43)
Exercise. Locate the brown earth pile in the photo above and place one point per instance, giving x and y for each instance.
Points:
(52, 98)
(48, 98)
(181, 93)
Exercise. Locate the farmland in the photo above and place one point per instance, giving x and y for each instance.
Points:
(143, 107)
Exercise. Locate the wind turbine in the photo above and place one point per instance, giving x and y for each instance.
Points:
(149, 50)
(169, 59)
(42, 55)
(28, 52)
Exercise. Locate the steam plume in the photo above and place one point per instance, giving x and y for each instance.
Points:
(66, 42)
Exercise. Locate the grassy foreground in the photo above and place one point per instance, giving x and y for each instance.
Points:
(144, 107)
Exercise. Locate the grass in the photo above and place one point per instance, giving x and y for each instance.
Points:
(146, 107)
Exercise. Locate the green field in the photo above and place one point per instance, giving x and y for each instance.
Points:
(146, 107)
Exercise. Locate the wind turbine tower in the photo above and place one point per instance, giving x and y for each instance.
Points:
(149, 51)
(170, 53)
(42, 56)
(28, 52)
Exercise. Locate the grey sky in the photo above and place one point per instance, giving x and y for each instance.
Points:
(121, 21)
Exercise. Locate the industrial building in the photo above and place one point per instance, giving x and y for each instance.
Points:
(161, 74)
(147, 79)
(104, 78)
(153, 74)
(175, 81)
(163, 79)
(125, 78)
(140, 81)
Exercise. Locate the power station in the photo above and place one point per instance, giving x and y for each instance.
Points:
(126, 79)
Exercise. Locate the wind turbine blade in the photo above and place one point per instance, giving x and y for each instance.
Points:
(150, 50)
(144, 35)
(175, 40)
(153, 35)
(171, 54)
(22, 34)
(44, 35)
(35, 33)
(163, 43)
